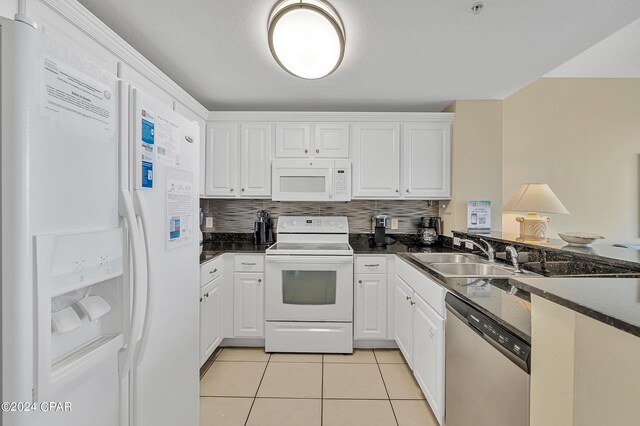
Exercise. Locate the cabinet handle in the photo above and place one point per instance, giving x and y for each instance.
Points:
(231, 189)
(201, 299)
(317, 151)
(374, 265)
(306, 151)
(206, 295)
(360, 282)
(408, 297)
(259, 280)
(412, 303)
(242, 190)
(248, 264)
(408, 190)
(397, 190)
(214, 271)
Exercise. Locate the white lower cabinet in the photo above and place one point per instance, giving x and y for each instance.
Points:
(419, 331)
(211, 318)
(248, 304)
(428, 354)
(404, 319)
(371, 306)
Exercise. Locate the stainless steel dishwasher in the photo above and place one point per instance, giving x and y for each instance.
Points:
(486, 370)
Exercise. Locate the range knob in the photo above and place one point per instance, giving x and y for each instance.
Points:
(284, 224)
(331, 223)
(294, 223)
(341, 225)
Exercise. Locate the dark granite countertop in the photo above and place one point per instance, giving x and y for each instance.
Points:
(489, 296)
(399, 243)
(220, 243)
(614, 301)
(598, 253)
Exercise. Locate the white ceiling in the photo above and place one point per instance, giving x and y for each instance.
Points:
(617, 56)
(402, 55)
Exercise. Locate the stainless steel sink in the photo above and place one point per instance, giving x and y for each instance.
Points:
(464, 270)
(446, 258)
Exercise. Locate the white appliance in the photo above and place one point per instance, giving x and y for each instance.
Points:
(87, 285)
(311, 180)
(309, 286)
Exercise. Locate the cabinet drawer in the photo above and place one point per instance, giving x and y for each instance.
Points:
(210, 270)
(371, 265)
(248, 262)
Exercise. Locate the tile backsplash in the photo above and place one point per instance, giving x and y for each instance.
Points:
(238, 215)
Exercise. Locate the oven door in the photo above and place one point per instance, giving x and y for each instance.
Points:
(309, 288)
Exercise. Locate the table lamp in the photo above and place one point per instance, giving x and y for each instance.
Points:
(535, 198)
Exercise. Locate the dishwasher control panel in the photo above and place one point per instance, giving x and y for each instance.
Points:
(498, 334)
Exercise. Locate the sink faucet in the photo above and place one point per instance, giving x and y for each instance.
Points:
(514, 259)
(489, 251)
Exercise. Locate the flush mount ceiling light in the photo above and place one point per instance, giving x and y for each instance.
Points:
(306, 37)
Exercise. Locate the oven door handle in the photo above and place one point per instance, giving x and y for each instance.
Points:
(310, 259)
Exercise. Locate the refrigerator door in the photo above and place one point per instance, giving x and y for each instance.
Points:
(64, 245)
(165, 164)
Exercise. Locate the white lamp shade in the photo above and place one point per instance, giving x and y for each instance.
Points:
(535, 197)
(306, 38)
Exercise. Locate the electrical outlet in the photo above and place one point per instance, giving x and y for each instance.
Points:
(468, 245)
(456, 241)
(208, 222)
(394, 223)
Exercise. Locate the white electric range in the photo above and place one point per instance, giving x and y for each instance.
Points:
(309, 286)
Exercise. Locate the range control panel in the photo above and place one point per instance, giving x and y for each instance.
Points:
(504, 338)
(313, 224)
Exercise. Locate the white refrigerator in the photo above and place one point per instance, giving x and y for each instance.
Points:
(99, 290)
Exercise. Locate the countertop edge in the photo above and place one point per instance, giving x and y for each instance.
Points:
(614, 322)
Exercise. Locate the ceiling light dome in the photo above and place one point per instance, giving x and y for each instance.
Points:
(306, 37)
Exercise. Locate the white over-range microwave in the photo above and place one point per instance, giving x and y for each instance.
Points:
(311, 180)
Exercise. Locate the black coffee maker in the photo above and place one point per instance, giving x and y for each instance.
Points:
(381, 222)
(262, 232)
(429, 230)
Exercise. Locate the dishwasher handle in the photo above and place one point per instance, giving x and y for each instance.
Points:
(506, 342)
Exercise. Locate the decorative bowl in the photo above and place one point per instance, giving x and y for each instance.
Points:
(579, 238)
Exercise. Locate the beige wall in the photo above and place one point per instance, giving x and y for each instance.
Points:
(477, 161)
(582, 137)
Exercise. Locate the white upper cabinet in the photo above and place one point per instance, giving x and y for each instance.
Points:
(393, 156)
(255, 160)
(293, 140)
(309, 140)
(331, 140)
(375, 155)
(221, 159)
(426, 160)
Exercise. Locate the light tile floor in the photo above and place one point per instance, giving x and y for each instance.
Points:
(246, 386)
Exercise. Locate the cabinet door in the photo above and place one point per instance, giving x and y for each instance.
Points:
(331, 140)
(214, 316)
(403, 312)
(292, 140)
(426, 161)
(248, 304)
(255, 160)
(221, 163)
(205, 331)
(371, 306)
(428, 354)
(375, 153)
(203, 326)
